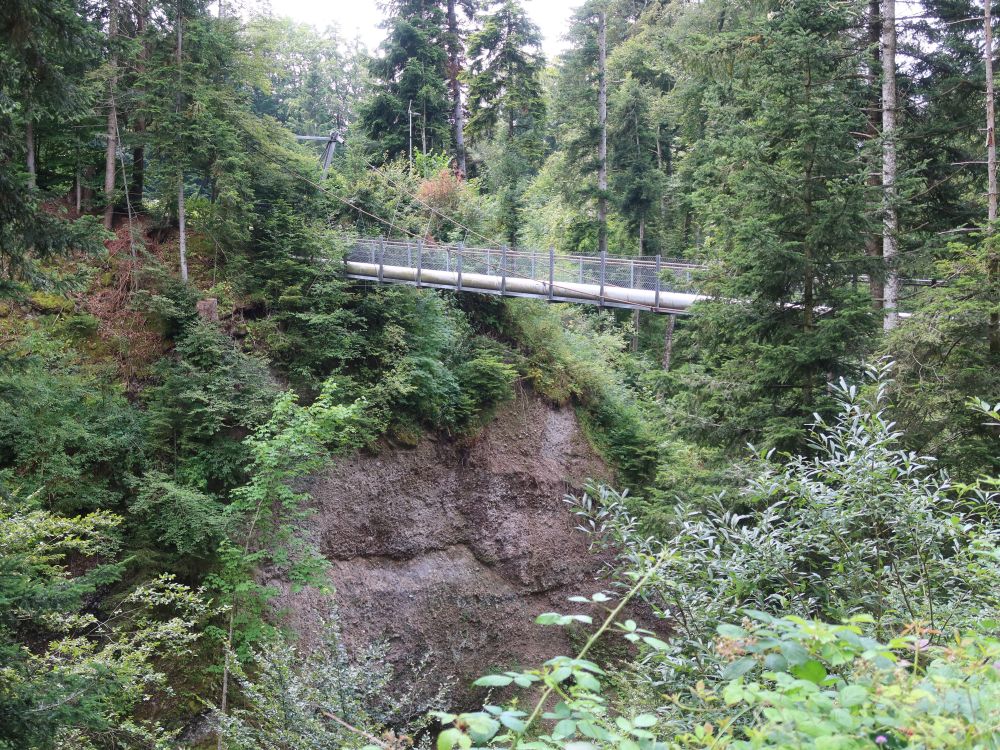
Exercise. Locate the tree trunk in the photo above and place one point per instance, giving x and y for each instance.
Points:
(454, 67)
(29, 142)
(138, 186)
(991, 172)
(602, 148)
(181, 223)
(668, 341)
(181, 212)
(890, 221)
(873, 242)
(112, 146)
(87, 192)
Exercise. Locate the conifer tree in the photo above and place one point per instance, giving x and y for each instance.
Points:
(505, 72)
(410, 75)
(38, 43)
(780, 197)
(507, 106)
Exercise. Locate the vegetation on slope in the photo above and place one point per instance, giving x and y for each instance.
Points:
(167, 381)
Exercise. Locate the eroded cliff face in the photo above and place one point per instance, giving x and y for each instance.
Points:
(451, 549)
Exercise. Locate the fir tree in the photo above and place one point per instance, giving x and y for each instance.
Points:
(780, 197)
(411, 82)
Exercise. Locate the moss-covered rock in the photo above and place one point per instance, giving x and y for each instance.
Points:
(50, 304)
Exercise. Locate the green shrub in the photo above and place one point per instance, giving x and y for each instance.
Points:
(190, 522)
(486, 382)
(85, 671)
(68, 436)
(829, 686)
(858, 527)
(314, 690)
(208, 396)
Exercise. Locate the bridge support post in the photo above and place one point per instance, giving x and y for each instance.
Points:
(581, 269)
(420, 261)
(409, 253)
(447, 259)
(532, 265)
(381, 260)
(604, 268)
(552, 269)
(503, 270)
(458, 261)
(656, 299)
(631, 274)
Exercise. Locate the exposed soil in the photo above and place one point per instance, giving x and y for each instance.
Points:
(452, 549)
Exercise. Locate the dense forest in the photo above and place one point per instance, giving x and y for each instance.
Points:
(799, 522)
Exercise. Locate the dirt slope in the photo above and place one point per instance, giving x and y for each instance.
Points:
(453, 549)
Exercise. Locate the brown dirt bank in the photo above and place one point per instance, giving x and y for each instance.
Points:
(453, 548)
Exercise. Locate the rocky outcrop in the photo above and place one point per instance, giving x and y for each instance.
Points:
(452, 548)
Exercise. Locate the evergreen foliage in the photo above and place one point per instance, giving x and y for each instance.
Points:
(157, 430)
(410, 77)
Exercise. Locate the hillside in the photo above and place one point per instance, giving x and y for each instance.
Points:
(445, 395)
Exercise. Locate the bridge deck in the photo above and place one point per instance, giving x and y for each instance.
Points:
(645, 283)
(649, 283)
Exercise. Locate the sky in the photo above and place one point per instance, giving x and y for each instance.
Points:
(361, 18)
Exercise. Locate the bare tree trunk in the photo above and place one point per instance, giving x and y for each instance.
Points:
(112, 146)
(991, 171)
(181, 213)
(668, 341)
(635, 330)
(78, 180)
(138, 186)
(181, 224)
(29, 142)
(890, 220)
(602, 148)
(454, 68)
(873, 242)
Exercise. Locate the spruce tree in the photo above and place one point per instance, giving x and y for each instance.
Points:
(410, 77)
(780, 198)
(505, 73)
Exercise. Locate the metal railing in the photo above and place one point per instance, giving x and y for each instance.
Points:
(635, 282)
(640, 272)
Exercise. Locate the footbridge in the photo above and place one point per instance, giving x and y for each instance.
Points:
(650, 283)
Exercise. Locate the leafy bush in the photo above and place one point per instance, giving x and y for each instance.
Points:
(85, 672)
(817, 685)
(829, 686)
(326, 698)
(860, 527)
